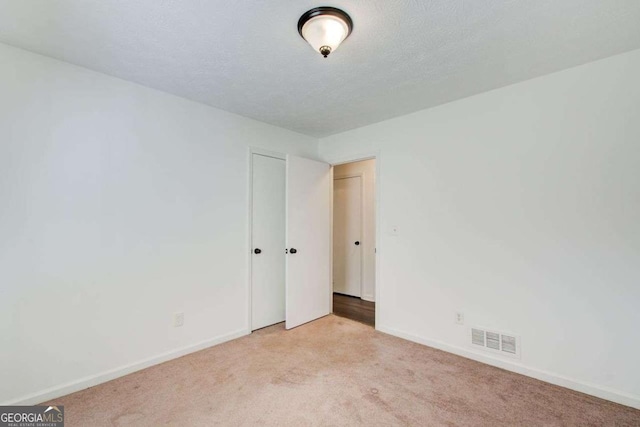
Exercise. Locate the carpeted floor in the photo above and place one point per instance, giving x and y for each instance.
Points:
(333, 371)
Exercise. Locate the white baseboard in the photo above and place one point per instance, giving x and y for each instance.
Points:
(369, 298)
(549, 377)
(93, 380)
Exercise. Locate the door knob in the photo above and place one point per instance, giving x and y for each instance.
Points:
(357, 243)
(257, 251)
(293, 251)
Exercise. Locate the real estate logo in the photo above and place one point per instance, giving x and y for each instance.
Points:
(31, 416)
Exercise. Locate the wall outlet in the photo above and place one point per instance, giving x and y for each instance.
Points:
(460, 318)
(178, 319)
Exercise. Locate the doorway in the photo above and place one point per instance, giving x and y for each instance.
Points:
(354, 240)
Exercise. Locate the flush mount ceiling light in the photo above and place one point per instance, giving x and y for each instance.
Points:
(324, 28)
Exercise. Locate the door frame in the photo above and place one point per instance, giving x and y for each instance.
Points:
(362, 176)
(249, 251)
(368, 155)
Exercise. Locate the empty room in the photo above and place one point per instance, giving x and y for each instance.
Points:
(298, 213)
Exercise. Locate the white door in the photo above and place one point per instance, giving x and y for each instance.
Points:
(347, 241)
(308, 265)
(268, 241)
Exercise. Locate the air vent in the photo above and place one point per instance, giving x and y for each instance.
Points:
(493, 340)
(509, 344)
(496, 342)
(477, 337)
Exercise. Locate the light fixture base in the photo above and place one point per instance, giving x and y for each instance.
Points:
(325, 51)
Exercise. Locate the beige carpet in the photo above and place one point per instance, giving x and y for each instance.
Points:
(333, 371)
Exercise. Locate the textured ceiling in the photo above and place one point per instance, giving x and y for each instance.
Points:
(245, 56)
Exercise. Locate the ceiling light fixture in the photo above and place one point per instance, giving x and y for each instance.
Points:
(324, 28)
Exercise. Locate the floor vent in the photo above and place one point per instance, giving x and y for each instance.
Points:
(495, 342)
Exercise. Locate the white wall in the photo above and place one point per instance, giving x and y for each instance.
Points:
(521, 208)
(368, 169)
(120, 205)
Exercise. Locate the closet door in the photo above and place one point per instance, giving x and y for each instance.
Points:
(308, 228)
(268, 241)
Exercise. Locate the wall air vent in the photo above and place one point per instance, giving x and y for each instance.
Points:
(477, 337)
(509, 344)
(495, 342)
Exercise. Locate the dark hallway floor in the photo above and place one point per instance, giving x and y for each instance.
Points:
(354, 308)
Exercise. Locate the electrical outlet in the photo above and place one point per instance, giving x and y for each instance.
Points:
(460, 318)
(178, 319)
